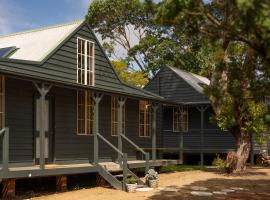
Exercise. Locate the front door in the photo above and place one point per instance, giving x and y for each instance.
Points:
(49, 134)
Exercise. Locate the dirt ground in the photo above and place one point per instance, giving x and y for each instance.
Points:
(256, 185)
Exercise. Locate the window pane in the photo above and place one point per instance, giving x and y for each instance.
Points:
(85, 62)
(91, 82)
(83, 46)
(79, 76)
(85, 112)
(82, 81)
(79, 46)
(79, 61)
(90, 63)
(176, 119)
(91, 50)
(145, 118)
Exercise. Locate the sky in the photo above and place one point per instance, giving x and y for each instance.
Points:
(20, 15)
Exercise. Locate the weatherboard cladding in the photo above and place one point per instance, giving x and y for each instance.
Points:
(181, 89)
(19, 118)
(61, 66)
(65, 59)
(68, 145)
(214, 139)
(173, 87)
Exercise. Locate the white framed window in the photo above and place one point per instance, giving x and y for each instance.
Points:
(114, 116)
(85, 62)
(85, 112)
(180, 119)
(144, 119)
(2, 102)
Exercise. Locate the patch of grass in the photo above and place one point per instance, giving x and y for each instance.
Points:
(181, 168)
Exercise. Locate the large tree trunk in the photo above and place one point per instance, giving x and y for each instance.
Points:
(236, 161)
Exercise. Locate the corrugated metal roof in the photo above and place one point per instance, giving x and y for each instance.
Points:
(36, 44)
(193, 80)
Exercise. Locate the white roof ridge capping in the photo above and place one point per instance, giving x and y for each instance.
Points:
(194, 80)
(36, 44)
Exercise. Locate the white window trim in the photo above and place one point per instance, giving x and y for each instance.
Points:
(85, 67)
(180, 122)
(85, 124)
(150, 123)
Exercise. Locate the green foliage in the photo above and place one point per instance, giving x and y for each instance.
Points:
(219, 163)
(110, 17)
(123, 23)
(180, 168)
(238, 65)
(136, 78)
(236, 35)
(131, 24)
(227, 41)
(132, 180)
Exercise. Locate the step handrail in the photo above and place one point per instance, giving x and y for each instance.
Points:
(110, 144)
(147, 166)
(133, 144)
(124, 164)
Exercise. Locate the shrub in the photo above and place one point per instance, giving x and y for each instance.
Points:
(219, 163)
(132, 180)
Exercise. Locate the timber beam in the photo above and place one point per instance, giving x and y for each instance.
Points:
(43, 91)
(121, 103)
(181, 136)
(155, 107)
(97, 98)
(202, 109)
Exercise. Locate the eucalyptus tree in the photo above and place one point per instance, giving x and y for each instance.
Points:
(131, 25)
(237, 36)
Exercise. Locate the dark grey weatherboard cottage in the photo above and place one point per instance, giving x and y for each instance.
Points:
(60, 104)
(195, 134)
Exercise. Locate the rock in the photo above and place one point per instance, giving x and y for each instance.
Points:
(227, 190)
(220, 192)
(198, 188)
(146, 189)
(202, 194)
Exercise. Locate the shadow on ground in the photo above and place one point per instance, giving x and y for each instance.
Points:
(254, 190)
(249, 172)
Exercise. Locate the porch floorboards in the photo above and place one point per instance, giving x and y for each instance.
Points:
(66, 169)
